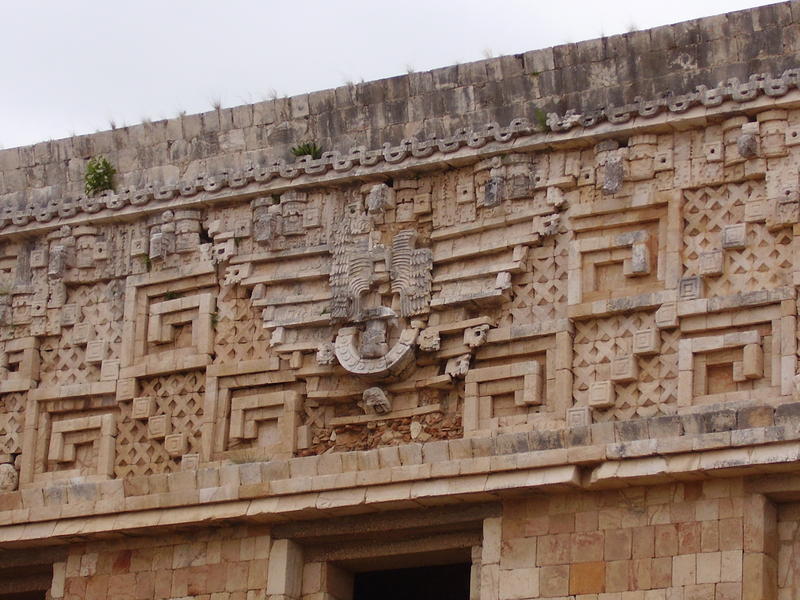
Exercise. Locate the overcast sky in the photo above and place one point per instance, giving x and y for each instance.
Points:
(75, 66)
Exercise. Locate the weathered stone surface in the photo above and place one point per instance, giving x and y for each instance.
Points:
(536, 310)
(8, 478)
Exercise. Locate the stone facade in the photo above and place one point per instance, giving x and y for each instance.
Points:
(530, 314)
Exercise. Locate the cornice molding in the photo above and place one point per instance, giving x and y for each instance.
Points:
(46, 208)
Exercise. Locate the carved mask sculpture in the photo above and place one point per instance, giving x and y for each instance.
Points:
(326, 354)
(458, 367)
(376, 401)
(429, 340)
(474, 337)
(380, 198)
(361, 266)
(292, 215)
(266, 221)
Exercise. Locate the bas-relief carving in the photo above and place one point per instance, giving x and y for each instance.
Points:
(375, 400)
(600, 283)
(380, 277)
(366, 275)
(326, 354)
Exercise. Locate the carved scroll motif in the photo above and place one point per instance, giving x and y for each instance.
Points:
(394, 362)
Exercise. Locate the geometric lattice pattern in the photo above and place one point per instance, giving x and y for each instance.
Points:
(99, 307)
(12, 422)
(240, 334)
(65, 364)
(179, 395)
(763, 263)
(598, 341)
(539, 292)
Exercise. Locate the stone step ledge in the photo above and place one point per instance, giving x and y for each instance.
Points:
(469, 479)
(729, 462)
(221, 482)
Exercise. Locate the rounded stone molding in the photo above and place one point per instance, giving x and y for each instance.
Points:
(393, 362)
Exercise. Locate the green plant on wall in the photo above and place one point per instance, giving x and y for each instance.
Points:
(99, 175)
(540, 117)
(307, 149)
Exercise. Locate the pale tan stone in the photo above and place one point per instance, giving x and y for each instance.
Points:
(59, 576)
(617, 544)
(554, 580)
(285, 568)
(709, 567)
(492, 541)
(518, 553)
(684, 569)
(587, 547)
(618, 575)
(728, 591)
(553, 550)
(519, 583)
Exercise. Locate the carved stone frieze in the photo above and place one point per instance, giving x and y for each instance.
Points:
(391, 364)
(502, 280)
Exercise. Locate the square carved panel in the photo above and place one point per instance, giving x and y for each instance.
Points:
(625, 254)
(494, 392)
(257, 412)
(168, 323)
(754, 361)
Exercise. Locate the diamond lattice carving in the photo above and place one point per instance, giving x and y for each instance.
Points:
(12, 422)
(180, 396)
(598, 342)
(764, 261)
(539, 293)
(99, 318)
(240, 334)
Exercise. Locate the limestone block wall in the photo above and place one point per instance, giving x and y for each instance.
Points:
(697, 540)
(693, 540)
(229, 564)
(787, 551)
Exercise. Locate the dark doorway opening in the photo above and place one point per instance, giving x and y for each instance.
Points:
(443, 582)
(21, 578)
